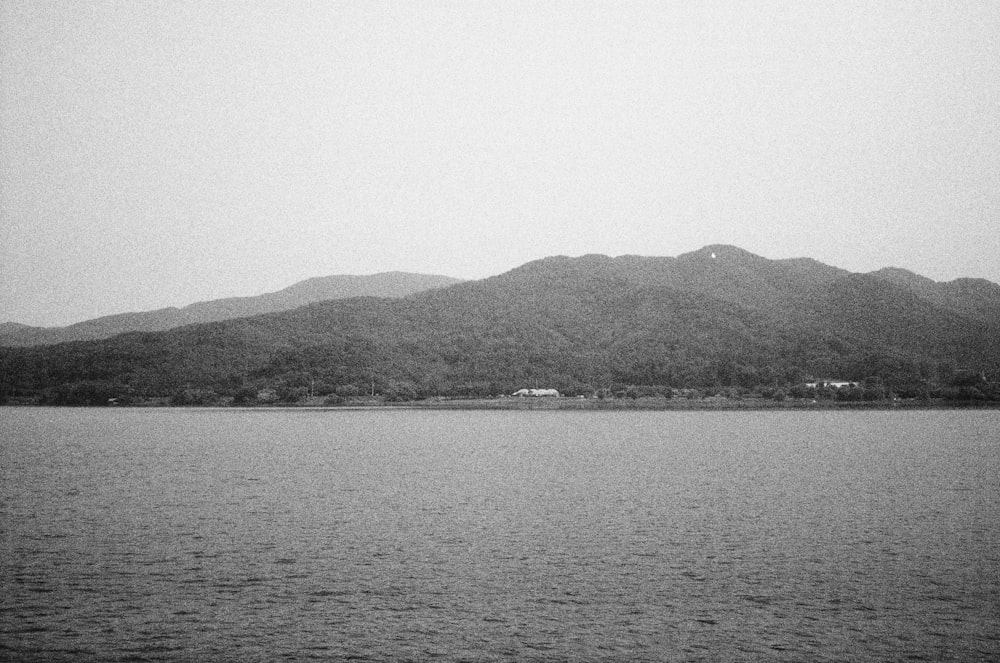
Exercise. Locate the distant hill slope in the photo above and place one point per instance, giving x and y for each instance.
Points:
(718, 317)
(387, 284)
(974, 297)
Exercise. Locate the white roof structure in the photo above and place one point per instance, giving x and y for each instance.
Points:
(536, 392)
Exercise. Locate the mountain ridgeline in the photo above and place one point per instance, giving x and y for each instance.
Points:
(387, 284)
(716, 319)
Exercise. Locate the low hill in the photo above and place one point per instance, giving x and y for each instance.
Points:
(388, 284)
(716, 318)
(977, 298)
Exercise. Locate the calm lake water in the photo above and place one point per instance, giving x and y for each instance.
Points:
(265, 535)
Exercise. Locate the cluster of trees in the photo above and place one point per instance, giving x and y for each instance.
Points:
(272, 380)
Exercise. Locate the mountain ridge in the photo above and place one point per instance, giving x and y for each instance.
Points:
(340, 286)
(734, 321)
(18, 334)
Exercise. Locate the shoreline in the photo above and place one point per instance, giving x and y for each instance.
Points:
(571, 404)
(574, 404)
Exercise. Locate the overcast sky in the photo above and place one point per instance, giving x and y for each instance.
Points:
(161, 153)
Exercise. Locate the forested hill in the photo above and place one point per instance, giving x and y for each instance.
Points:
(387, 284)
(716, 318)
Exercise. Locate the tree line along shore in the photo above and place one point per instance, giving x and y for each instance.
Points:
(963, 391)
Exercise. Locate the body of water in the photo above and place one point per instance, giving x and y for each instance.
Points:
(268, 535)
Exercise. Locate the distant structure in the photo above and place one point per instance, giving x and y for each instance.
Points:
(836, 384)
(535, 392)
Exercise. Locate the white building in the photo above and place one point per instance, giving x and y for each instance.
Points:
(535, 392)
(836, 384)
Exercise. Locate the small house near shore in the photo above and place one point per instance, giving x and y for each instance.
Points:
(836, 384)
(536, 393)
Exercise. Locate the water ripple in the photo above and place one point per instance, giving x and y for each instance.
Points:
(372, 536)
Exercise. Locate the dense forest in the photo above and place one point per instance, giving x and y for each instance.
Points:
(715, 321)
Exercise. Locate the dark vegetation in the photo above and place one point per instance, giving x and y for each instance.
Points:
(736, 325)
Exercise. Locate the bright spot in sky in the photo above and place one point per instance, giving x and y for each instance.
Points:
(713, 255)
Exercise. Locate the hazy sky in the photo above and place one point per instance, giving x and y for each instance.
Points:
(161, 153)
